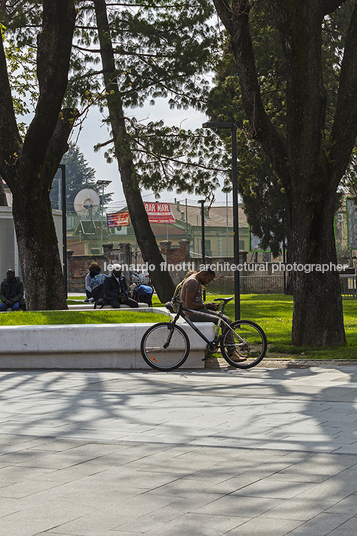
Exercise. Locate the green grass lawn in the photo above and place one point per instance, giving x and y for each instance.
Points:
(273, 312)
(29, 318)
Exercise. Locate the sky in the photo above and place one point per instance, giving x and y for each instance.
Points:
(94, 132)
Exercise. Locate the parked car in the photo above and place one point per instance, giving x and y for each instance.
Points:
(140, 277)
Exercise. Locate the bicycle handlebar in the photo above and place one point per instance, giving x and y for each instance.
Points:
(183, 308)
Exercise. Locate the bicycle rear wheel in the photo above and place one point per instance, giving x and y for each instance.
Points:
(248, 340)
(165, 346)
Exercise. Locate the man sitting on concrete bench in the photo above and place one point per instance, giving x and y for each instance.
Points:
(116, 289)
(11, 292)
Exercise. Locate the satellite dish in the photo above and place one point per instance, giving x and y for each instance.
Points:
(85, 200)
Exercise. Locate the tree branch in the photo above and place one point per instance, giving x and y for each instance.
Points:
(54, 47)
(104, 144)
(58, 145)
(344, 128)
(10, 140)
(125, 53)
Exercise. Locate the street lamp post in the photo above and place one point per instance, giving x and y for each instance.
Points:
(202, 202)
(62, 167)
(233, 129)
(103, 183)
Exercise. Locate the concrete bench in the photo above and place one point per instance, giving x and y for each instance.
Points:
(90, 307)
(145, 309)
(86, 346)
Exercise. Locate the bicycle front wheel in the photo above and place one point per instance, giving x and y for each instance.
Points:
(247, 341)
(165, 346)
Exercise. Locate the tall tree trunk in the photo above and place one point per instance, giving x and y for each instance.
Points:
(162, 280)
(38, 251)
(35, 230)
(317, 316)
(311, 183)
(29, 167)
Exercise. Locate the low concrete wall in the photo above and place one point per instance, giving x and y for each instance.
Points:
(86, 346)
(90, 307)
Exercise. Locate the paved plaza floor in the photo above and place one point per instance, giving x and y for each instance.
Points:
(264, 452)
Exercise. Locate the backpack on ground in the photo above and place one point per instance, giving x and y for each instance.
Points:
(98, 295)
(143, 294)
(98, 291)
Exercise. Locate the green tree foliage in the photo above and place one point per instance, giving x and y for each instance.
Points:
(170, 59)
(20, 22)
(262, 190)
(161, 51)
(173, 158)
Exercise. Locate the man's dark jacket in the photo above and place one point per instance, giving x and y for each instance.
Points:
(5, 290)
(112, 288)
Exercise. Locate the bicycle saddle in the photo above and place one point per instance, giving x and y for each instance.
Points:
(225, 300)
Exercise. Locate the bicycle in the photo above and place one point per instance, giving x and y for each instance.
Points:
(165, 346)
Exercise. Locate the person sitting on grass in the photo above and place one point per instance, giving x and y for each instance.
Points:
(191, 297)
(97, 279)
(11, 292)
(93, 270)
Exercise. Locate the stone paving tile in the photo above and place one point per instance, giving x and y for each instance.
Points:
(336, 488)
(27, 488)
(261, 526)
(126, 514)
(299, 509)
(323, 524)
(239, 506)
(12, 473)
(35, 521)
(345, 506)
(102, 533)
(197, 525)
(8, 507)
(88, 500)
(187, 487)
(336, 460)
(234, 484)
(268, 487)
(307, 472)
(349, 528)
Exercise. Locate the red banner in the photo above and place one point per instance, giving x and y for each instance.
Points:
(159, 213)
(118, 219)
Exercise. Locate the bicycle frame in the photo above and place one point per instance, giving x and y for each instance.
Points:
(181, 313)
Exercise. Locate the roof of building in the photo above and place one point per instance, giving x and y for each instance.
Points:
(216, 216)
